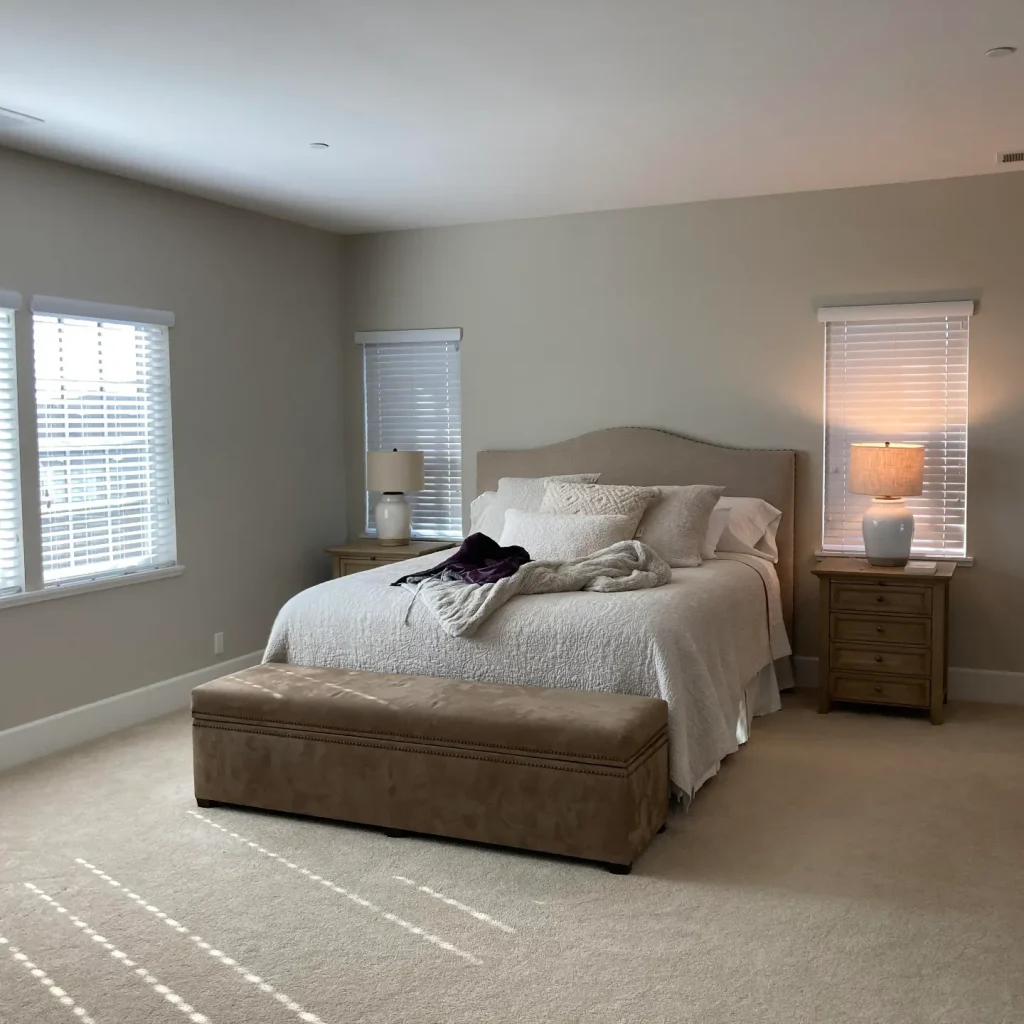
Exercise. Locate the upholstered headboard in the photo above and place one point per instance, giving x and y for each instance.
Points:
(640, 455)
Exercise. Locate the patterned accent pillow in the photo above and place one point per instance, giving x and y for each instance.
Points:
(552, 538)
(676, 523)
(598, 500)
(527, 492)
(522, 492)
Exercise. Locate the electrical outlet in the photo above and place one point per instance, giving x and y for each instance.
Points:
(218, 643)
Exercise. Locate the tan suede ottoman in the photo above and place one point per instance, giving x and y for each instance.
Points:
(560, 771)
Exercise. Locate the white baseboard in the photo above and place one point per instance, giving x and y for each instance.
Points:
(986, 685)
(79, 725)
(979, 684)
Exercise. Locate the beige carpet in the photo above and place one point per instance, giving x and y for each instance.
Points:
(856, 867)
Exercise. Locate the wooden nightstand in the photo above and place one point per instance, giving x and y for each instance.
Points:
(884, 635)
(359, 555)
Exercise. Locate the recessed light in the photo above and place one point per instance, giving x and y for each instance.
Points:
(319, 145)
(6, 114)
(1001, 51)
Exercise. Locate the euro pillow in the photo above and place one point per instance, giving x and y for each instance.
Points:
(598, 500)
(561, 538)
(522, 492)
(752, 527)
(676, 522)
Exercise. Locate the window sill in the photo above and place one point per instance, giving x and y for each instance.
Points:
(74, 589)
(966, 561)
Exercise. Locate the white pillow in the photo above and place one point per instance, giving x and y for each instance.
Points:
(478, 510)
(716, 525)
(676, 523)
(752, 527)
(564, 498)
(555, 538)
(522, 492)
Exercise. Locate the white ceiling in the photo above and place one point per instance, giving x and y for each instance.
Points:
(451, 111)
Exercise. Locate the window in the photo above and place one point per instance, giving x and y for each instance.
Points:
(411, 389)
(103, 415)
(11, 572)
(898, 373)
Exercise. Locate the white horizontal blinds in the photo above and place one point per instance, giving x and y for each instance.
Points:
(12, 579)
(899, 379)
(106, 476)
(413, 403)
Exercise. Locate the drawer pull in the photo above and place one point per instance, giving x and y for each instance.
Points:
(880, 599)
(878, 658)
(878, 689)
(879, 629)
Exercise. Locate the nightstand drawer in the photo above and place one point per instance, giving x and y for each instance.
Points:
(881, 597)
(910, 661)
(881, 630)
(361, 565)
(880, 690)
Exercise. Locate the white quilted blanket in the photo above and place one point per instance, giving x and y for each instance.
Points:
(462, 608)
(695, 642)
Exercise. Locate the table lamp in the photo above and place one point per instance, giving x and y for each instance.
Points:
(889, 472)
(393, 474)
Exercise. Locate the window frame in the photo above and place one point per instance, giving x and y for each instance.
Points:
(33, 588)
(862, 317)
(379, 339)
(10, 306)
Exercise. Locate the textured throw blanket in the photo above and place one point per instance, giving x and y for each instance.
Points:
(462, 607)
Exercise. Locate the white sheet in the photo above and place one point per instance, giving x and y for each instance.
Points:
(696, 642)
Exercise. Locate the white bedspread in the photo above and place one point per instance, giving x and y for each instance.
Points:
(695, 642)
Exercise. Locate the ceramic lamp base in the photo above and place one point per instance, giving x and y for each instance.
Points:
(888, 532)
(394, 520)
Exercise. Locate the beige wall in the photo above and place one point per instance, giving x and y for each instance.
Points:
(700, 318)
(256, 381)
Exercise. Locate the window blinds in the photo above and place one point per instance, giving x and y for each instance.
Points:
(900, 378)
(11, 566)
(413, 403)
(106, 476)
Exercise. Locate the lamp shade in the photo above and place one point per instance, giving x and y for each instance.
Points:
(886, 469)
(394, 471)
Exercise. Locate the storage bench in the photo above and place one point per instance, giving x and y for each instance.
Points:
(569, 772)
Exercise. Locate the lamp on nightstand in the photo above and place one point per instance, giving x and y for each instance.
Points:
(889, 472)
(393, 474)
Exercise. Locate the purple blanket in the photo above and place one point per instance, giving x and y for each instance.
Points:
(479, 560)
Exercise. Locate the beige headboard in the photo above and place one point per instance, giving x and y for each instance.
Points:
(640, 455)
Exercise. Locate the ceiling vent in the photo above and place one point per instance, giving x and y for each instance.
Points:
(1015, 156)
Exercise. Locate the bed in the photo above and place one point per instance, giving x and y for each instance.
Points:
(712, 643)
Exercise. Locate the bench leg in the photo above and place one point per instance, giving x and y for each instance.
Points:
(205, 803)
(619, 869)
(664, 826)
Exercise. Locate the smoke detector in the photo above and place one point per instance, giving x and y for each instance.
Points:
(1010, 156)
